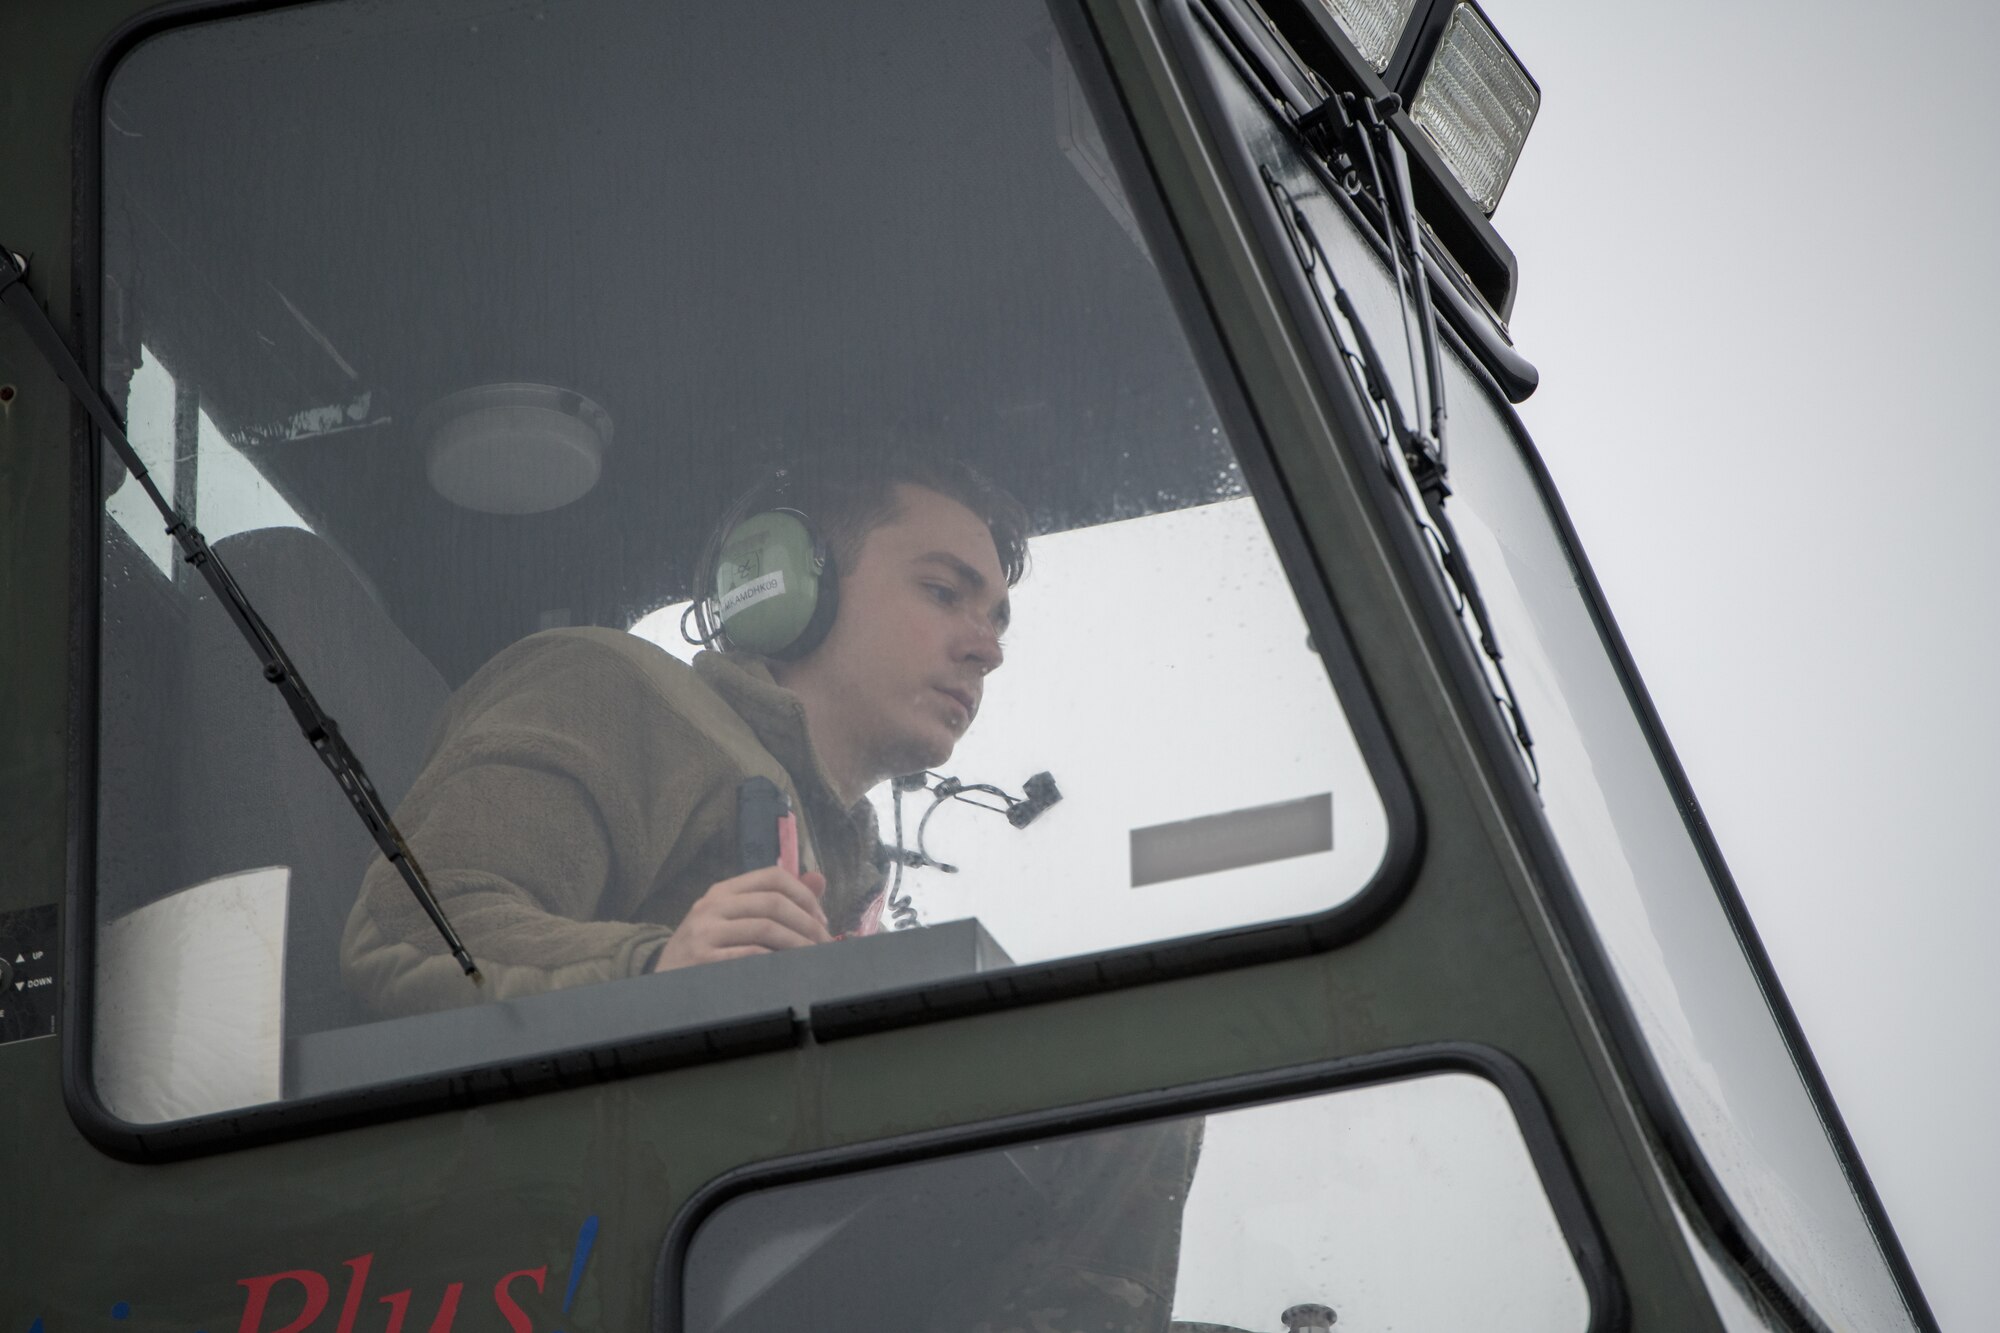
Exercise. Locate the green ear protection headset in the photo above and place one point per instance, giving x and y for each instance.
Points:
(767, 583)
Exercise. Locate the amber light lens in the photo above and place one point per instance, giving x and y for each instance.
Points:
(1477, 104)
(1374, 26)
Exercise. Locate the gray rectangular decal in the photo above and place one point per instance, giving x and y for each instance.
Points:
(1232, 840)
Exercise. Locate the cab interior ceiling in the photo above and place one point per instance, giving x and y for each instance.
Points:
(596, 200)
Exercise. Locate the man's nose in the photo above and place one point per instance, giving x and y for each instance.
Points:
(982, 647)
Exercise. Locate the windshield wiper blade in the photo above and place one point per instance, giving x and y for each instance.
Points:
(320, 730)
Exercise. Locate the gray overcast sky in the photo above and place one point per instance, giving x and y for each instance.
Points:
(1757, 270)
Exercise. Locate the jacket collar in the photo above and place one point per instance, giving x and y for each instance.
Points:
(774, 713)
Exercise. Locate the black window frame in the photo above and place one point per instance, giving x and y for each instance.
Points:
(778, 1028)
(1502, 753)
(1603, 1287)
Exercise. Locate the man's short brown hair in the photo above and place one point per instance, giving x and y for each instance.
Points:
(848, 494)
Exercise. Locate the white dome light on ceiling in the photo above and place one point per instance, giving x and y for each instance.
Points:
(514, 448)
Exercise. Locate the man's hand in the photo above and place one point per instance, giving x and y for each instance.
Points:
(754, 913)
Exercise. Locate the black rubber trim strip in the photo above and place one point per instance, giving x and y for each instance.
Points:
(1525, 808)
(1603, 1288)
(1234, 947)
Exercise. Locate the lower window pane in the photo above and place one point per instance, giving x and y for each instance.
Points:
(1410, 1204)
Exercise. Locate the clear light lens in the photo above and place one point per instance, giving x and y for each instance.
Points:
(1476, 103)
(1374, 26)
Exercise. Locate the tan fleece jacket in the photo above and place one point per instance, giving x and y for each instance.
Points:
(581, 796)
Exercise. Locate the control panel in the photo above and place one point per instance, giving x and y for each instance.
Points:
(28, 973)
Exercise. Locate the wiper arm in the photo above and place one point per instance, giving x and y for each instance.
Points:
(1373, 114)
(321, 731)
(1420, 452)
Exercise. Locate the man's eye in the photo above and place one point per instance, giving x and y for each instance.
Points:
(943, 593)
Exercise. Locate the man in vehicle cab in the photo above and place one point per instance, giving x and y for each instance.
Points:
(577, 817)
(578, 820)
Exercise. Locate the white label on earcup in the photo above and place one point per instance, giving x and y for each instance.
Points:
(753, 592)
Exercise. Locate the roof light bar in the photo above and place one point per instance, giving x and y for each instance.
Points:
(1374, 26)
(1476, 103)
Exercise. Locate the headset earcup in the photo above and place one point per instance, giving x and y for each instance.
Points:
(825, 607)
(770, 585)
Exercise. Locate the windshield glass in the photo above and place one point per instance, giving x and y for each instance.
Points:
(484, 338)
(1642, 880)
